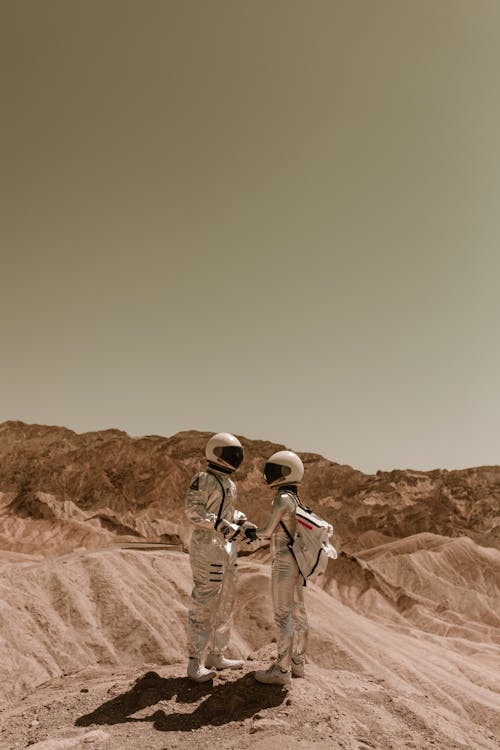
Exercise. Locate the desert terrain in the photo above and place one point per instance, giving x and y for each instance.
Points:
(95, 581)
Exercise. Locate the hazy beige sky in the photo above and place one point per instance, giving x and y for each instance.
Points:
(271, 217)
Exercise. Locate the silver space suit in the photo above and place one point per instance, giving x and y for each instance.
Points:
(212, 494)
(287, 585)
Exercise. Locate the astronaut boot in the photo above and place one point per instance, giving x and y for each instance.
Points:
(298, 668)
(197, 672)
(273, 676)
(219, 661)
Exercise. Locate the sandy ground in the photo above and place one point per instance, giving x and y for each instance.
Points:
(404, 653)
(158, 707)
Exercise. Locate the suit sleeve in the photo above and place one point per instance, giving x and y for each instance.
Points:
(196, 506)
(281, 504)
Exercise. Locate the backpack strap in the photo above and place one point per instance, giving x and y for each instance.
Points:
(290, 537)
(299, 502)
(219, 512)
(290, 547)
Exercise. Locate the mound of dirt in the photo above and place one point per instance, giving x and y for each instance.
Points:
(444, 586)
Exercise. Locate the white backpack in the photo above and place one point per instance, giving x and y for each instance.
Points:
(311, 547)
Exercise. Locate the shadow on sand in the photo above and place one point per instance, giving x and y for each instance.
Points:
(220, 704)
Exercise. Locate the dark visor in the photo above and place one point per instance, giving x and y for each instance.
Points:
(272, 472)
(231, 454)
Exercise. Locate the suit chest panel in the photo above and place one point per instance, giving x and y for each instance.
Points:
(230, 496)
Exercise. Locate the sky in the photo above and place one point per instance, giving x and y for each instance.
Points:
(277, 218)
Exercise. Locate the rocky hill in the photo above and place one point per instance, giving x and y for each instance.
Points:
(404, 646)
(108, 484)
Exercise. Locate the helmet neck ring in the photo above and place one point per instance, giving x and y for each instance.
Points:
(222, 469)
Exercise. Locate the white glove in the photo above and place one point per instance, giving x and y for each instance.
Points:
(227, 529)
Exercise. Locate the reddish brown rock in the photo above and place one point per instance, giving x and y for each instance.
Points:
(136, 486)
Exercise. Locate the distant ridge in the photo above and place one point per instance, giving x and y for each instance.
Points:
(135, 486)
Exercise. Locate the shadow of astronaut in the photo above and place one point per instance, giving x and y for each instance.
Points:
(220, 704)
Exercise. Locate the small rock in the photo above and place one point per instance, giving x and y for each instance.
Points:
(96, 735)
(264, 724)
(84, 690)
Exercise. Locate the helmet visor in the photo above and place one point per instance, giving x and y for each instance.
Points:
(273, 472)
(230, 454)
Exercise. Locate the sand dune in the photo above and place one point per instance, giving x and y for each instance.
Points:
(106, 607)
(443, 586)
(125, 608)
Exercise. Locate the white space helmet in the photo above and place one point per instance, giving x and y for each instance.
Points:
(224, 452)
(284, 467)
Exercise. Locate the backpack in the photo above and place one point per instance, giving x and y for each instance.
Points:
(311, 547)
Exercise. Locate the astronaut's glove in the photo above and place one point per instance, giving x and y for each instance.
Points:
(250, 532)
(227, 529)
(239, 517)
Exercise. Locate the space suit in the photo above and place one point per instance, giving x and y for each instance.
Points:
(210, 506)
(284, 470)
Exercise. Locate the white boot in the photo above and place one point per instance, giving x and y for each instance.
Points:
(197, 672)
(273, 676)
(219, 661)
(298, 668)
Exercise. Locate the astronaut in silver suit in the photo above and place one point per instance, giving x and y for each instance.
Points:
(210, 506)
(284, 470)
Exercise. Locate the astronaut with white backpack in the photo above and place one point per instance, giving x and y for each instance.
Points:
(299, 547)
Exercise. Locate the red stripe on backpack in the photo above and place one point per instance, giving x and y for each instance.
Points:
(299, 520)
